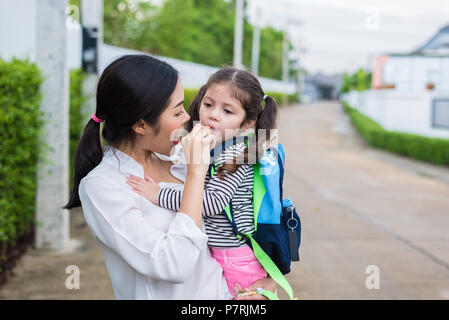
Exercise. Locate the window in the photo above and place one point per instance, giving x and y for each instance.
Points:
(440, 113)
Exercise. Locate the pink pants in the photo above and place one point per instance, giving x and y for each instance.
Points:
(240, 265)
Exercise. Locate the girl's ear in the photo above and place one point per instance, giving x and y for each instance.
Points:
(249, 124)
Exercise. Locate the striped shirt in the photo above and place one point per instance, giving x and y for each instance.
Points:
(218, 193)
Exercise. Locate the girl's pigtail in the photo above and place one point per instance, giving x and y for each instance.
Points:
(265, 120)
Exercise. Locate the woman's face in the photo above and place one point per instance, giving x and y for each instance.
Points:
(171, 122)
(220, 111)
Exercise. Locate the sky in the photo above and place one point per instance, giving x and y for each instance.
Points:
(342, 36)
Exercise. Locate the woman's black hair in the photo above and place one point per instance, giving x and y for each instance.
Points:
(131, 88)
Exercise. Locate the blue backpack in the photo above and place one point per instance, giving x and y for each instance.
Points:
(277, 235)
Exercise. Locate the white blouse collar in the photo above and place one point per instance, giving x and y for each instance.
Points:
(123, 161)
(126, 162)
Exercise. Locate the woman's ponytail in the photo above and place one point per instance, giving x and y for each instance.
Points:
(88, 155)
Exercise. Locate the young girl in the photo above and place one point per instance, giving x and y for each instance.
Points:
(231, 102)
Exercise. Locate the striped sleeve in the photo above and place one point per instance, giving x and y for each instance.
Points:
(218, 193)
(169, 198)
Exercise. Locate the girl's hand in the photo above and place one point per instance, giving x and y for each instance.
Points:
(197, 145)
(265, 283)
(147, 188)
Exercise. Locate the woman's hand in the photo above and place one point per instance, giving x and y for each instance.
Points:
(147, 188)
(265, 283)
(197, 145)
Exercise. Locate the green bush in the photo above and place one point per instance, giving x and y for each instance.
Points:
(293, 98)
(189, 95)
(282, 98)
(360, 80)
(20, 125)
(432, 150)
(77, 118)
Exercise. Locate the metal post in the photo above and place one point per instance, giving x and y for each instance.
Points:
(238, 34)
(256, 45)
(92, 21)
(285, 61)
(52, 230)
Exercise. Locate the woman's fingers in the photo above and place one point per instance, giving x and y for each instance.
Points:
(197, 145)
(238, 288)
(252, 297)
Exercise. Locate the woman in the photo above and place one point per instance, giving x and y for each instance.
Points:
(150, 252)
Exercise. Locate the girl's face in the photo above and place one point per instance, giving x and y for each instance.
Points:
(221, 112)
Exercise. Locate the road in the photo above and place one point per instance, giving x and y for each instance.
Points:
(361, 207)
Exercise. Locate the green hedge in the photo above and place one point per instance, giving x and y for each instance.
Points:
(282, 98)
(432, 150)
(189, 95)
(77, 118)
(20, 124)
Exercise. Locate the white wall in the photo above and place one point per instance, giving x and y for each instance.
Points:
(18, 33)
(18, 29)
(412, 73)
(409, 112)
(193, 75)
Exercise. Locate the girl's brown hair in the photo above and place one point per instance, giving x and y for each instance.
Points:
(247, 89)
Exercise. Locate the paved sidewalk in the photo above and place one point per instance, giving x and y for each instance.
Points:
(41, 274)
(362, 207)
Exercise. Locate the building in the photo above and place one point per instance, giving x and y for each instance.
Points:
(410, 92)
(426, 68)
(320, 86)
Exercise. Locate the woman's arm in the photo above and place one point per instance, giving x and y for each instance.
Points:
(115, 219)
(196, 146)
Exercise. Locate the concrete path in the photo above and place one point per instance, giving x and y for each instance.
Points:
(362, 207)
(359, 207)
(41, 274)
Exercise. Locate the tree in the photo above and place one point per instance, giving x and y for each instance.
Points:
(200, 31)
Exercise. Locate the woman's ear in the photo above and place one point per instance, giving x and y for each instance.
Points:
(141, 127)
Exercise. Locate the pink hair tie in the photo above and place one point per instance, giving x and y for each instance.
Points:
(98, 120)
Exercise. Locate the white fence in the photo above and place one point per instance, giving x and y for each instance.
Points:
(408, 112)
(193, 75)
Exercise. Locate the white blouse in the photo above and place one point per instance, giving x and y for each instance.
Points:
(150, 252)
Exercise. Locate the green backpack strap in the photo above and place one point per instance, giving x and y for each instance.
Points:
(271, 268)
